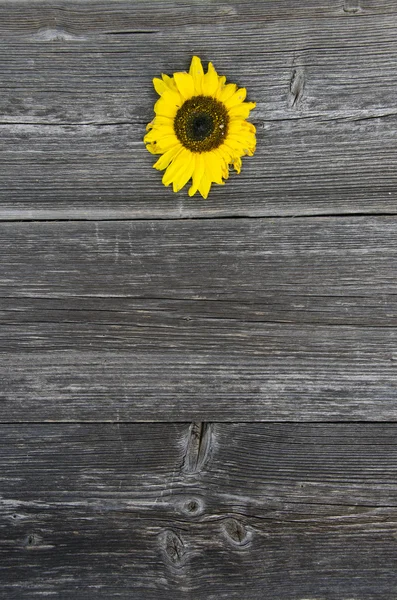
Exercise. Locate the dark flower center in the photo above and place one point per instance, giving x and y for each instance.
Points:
(200, 126)
(201, 123)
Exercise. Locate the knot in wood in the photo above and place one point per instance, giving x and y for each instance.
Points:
(174, 548)
(236, 532)
(192, 507)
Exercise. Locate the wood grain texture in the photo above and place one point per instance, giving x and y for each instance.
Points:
(76, 95)
(278, 510)
(232, 319)
(137, 325)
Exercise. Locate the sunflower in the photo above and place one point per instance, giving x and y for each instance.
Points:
(200, 128)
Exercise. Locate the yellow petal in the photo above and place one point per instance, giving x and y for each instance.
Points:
(185, 84)
(160, 120)
(235, 126)
(205, 186)
(197, 174)
(196, 68)
(235, 146)
(237, 98)
(185, 173)
(242, 138)
(211, 81)
(152, 148)
(250, 126)
(241, 110)
(221, 86)
(227, 92)
(168, 104)
(213, 167)
(240, 147)
(158, 132)
(177, 166)
(237, 164)
(160, 86)
(197, 72)
(169, 82)
(163, 130)
(241, 127)
(224, 158)
(167, 157)
(166, 142)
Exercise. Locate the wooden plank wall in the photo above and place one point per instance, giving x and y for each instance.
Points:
(198, 398)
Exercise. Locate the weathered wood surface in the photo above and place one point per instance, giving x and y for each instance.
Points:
(130, 303)
(76, 94)
(232, 319)
(176, 511)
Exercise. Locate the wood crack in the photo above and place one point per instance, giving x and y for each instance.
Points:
(199, 445)
(132, 32)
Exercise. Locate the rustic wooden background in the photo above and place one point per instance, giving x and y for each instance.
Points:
(198, 398)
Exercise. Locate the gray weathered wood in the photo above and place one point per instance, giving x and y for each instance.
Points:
(222, 259)
(233, 319)
(20, 17)
(201, 511)
(140, 314)
(77, 93)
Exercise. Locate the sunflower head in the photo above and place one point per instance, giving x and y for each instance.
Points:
(199, 128)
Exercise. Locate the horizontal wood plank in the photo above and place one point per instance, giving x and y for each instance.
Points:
(97, 16)
(76, 95)
(233, 319)
(214, 259)
(301, 168)
(187, 511)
